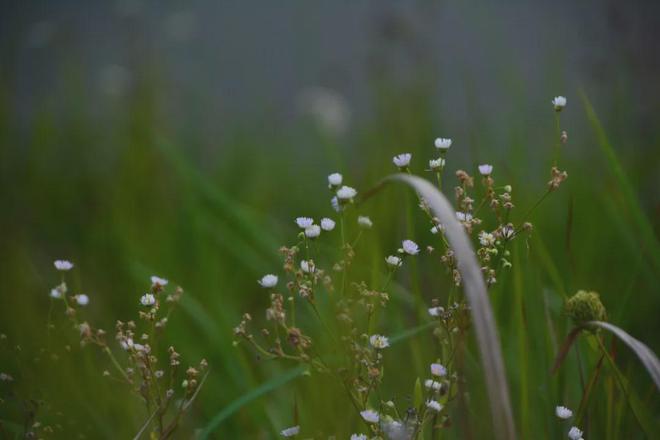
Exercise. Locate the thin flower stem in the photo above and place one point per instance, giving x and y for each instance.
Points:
(114, 361)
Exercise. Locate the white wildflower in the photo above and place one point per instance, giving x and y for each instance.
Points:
(507, 232)
(82, 299)
(364, 222)
(575, 433)
(158, 282)
(486, 239)
(148, 299)
(304, 222)
(464, 216)
(313, 231)
(434, 405)
(379, 341)
(402, 160)
(485, 169)
(370, 416)
(442, 143)
(393, 261)
(359, 437)
(436, 164)
(307, 266)
(268, 281)
(56, 293)
(559, 102)
(563, 412)
(436, 311)
(437, 228)
(335, 204)
(290, 432)
(327, 224)
(438, 370)
(63, 265)
(346, 193)
(431, 384)
(335, 179)
(410, 247)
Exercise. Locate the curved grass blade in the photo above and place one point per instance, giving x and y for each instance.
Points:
(648, 358)
(475, 291)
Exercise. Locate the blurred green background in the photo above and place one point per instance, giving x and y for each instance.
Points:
(141, 138)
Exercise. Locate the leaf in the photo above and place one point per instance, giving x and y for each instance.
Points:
(475, 291)
(417, 393)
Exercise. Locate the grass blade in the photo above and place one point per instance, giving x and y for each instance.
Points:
(475, 291)
(648, 358)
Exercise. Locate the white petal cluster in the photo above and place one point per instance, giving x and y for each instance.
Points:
(158, 282)
(268, 281)
(364, 222)
(438, 370)
(359, 437)
(379, 341)
(327, 224)
(346, 193)
(335, 179)
(63, 265)
(307, 266)
(147, 299)
(436, 164)
(485, 169)
(56, 293)
(559, 102)
(304, 222)
(402, 160)
(431, 384)
(290, 432)
(410, 247)
(442, 143)
(563, 413)
(313, 231)
(393, 261)
(575, 433)
(464, 216)
(436, 311)
(434, 405)
(370, 416)
(82, 299)
(486, 239)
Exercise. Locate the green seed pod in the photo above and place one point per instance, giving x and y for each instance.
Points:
(585, 306)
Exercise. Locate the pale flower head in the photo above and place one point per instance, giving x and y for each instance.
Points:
(559, 102)
(434, 405)
(147, 299)
(402, 160)
(379, 341)
(63, 265)
(346, 193)
(158, 282)
(327, 224)
(438, 370)
(410, 247)
(486, 239)
(268, 281)
(393, 261)
(359, 437)
(431, 384)
(485, 169)
(290, 432)
(442, 143)
(304, 222)
(364, 222)
(563, 413)
(307, 266)
(464, 216)
(335, 179)
(82, 299)
(56, 293)
(370, 416)
(575, 433)
(437, 164)
(313, 231)
(436, 311)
